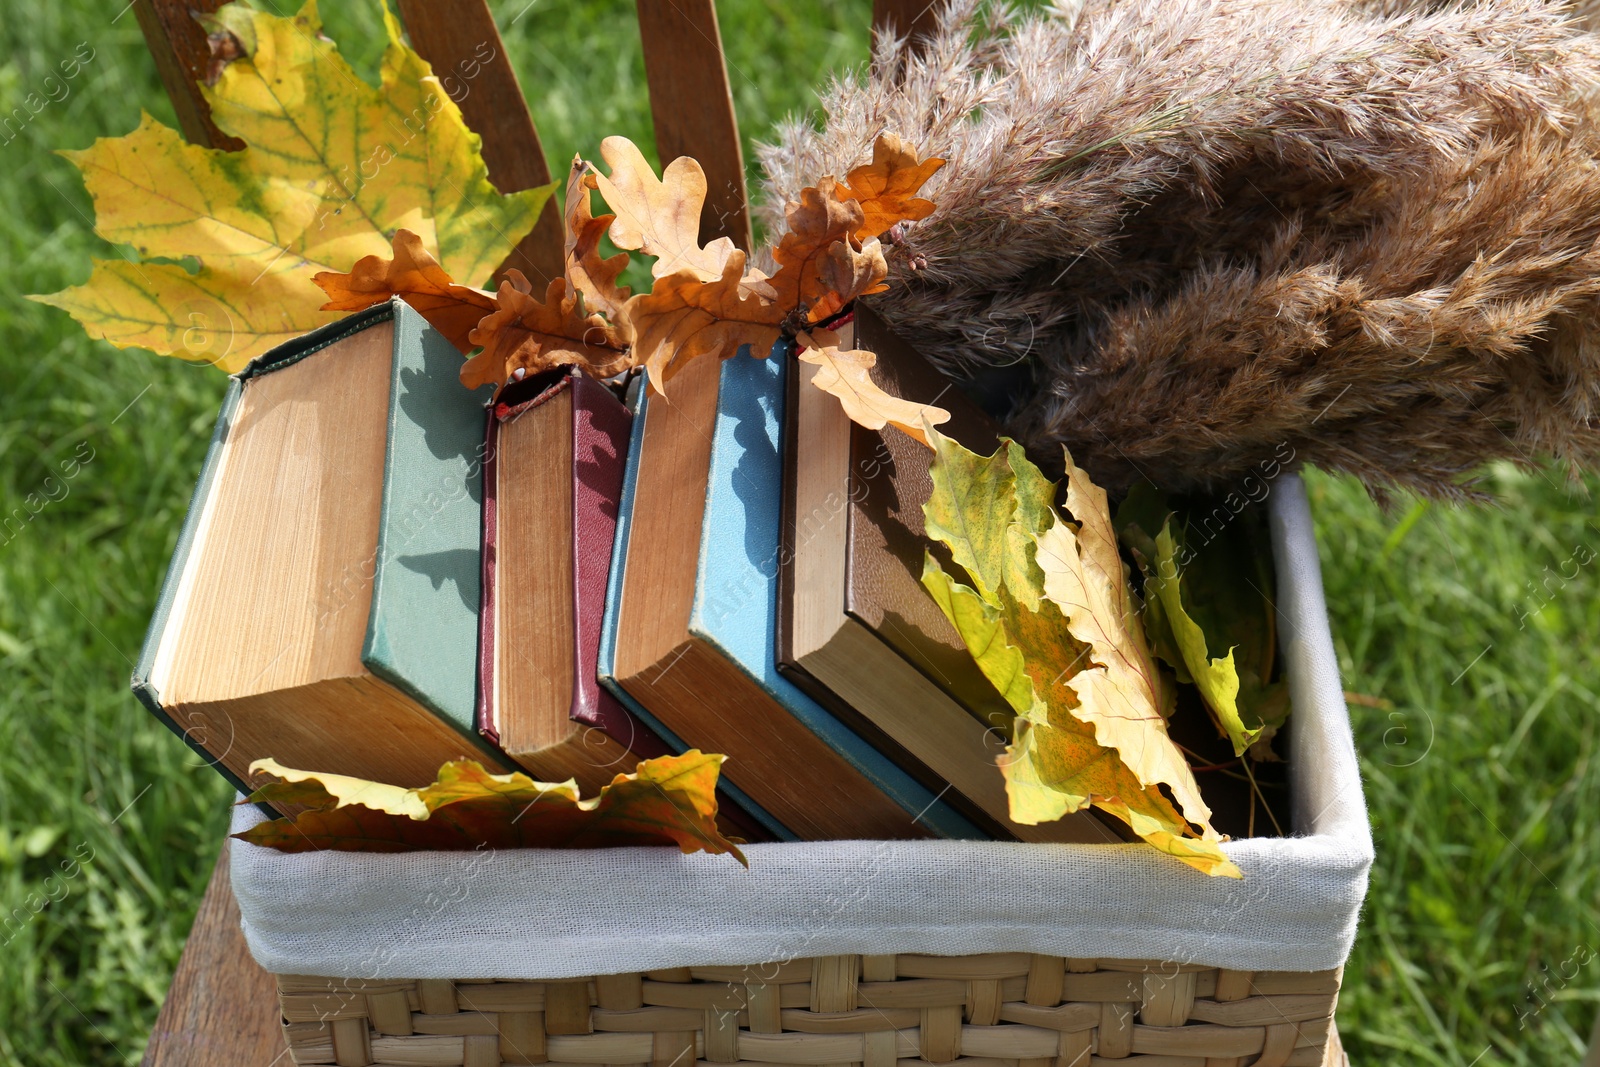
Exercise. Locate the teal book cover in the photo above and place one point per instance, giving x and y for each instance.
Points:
(422, 632)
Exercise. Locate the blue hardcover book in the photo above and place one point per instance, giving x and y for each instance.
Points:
(691, 649)
(608, 629)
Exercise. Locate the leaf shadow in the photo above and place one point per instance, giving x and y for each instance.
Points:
(456, 565)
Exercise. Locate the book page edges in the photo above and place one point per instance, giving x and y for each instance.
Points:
(155, 656)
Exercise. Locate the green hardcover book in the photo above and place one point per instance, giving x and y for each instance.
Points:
(321, 607)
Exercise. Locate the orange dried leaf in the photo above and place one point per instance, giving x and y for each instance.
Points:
(666, 801)
(818, 221)
(845, 375)
(846, 271)
(821, 264)
(590, 275)
(683, 317)
(660, 216)
(416, 277)
(886, 188)
(523, 333)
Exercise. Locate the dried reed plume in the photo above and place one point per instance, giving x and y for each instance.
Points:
(1216, 228)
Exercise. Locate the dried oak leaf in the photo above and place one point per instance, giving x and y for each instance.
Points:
(821, 264)
(666, 801)
(523, 333)
(846, 272)
(416, 277)
(886, 188)
(1120, 694)
(685, 316)
(660, 217)
(845, 374)
(595, 278)
(330, 168)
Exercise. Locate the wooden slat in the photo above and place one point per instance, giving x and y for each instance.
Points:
(459, 40)
(178, 45)
(222, 1007)
(693, 107)
(919, 17)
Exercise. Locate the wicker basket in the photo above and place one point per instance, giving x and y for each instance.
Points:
(503, 950)
(984, 1011)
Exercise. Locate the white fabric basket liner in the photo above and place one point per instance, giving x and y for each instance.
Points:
(547, 914)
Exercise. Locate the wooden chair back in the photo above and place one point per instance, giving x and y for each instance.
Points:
(683, 60)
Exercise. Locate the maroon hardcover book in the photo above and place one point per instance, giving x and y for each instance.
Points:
(555, 450)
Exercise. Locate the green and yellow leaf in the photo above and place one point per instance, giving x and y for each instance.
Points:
(971, 511)
(332, 168)
(1088, 730)
(666, 801)
(1209, 587)
(1217, 679)
(1121, 695)
(1054, 766)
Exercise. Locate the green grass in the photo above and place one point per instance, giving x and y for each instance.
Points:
(1478, 625)
(1485, 889)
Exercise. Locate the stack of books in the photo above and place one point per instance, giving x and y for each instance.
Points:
(381, 571)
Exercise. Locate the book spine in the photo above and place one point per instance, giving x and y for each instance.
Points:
(514, 401)
(788, 665)
(486, 608)
(736, 587)
(600, 432)
(423, 625)
(308, 344)
(606, 654)
(143, 687)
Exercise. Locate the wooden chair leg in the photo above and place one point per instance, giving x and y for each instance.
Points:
(222, 1007)
(692, 106)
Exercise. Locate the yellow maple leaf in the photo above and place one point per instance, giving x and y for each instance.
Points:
(332, 166)
(1120, 693)
(996, 514)
(670, 800)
